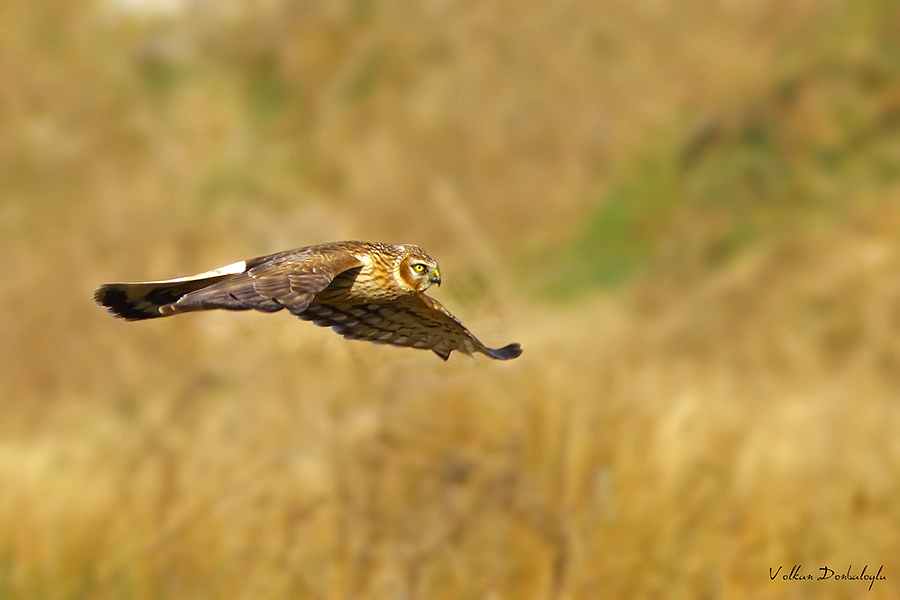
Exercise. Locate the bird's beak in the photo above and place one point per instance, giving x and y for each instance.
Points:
(436, 278)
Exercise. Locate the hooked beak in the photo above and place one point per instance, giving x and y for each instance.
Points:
(435, 278)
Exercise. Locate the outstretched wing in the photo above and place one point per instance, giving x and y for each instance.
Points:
(270, 283)
(416, 321)
(288, 281)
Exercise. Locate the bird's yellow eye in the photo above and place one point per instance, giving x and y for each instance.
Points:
(419, 268)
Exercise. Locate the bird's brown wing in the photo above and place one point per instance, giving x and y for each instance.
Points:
(269, 283)
(416, 321)
(288, 280)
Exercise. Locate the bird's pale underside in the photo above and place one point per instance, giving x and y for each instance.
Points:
(362, 290)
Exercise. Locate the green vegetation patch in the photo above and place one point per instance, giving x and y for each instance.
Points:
(801, 151)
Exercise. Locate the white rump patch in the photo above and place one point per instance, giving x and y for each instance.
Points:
(232, 269)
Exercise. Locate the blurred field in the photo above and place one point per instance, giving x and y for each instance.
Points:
(687, 214)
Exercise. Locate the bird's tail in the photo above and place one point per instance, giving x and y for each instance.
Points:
(153, 299)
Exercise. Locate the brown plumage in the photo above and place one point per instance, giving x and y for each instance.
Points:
(362, 290)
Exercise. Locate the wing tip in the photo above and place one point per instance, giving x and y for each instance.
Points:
(507, 352)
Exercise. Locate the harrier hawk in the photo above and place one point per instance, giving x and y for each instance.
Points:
(362, 290)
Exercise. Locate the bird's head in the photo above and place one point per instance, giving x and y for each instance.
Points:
(418, 269)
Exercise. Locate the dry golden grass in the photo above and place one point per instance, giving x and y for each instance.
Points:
(720, 414)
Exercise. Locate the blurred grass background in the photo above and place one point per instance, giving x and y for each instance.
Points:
(686, 212)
